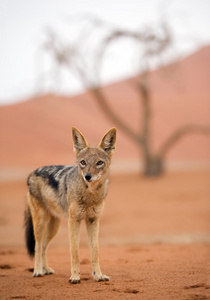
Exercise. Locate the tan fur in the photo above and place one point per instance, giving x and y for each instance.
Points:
(74, 191)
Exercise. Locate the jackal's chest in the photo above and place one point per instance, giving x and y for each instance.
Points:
(90, 212)
(88, 202)
(87, 207)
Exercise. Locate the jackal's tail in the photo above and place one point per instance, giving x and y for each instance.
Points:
(29, 232)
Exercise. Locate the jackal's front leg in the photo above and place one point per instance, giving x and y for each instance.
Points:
(93, 232)
(74, 249)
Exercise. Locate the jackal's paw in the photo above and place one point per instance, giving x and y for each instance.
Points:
(38, 273)
(48, 271)
(74, 279)
(100, 277)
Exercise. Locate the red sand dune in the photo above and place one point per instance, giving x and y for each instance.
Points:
(38, 131)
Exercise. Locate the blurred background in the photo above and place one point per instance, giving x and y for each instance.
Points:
(140, 66)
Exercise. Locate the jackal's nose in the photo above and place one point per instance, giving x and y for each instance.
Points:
(88, 176)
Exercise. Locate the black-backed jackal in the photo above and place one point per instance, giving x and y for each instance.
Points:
(77, 192)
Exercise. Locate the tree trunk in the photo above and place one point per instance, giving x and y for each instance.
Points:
(153, 166)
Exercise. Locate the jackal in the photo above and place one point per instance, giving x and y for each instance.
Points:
(77, 192)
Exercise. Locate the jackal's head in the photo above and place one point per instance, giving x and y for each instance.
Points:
(94, 162)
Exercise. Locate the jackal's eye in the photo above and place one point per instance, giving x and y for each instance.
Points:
(83, 163)
(100, 163)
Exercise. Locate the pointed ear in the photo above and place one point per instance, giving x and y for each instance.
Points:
(108, 141)
(79, 140)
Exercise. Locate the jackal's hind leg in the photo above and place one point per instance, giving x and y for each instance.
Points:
(40, 219)
(52, 229)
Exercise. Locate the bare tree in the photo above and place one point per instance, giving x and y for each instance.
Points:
(152, 43)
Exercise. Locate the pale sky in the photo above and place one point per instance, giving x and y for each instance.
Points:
(22, 25)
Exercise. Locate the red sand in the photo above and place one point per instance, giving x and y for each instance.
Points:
(154, 243)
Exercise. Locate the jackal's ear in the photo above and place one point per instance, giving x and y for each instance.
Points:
(108, 141)
(79, 140)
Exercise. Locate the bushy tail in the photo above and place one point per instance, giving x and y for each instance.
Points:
(29, 232)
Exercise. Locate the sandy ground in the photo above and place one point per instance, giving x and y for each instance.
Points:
(154, 243)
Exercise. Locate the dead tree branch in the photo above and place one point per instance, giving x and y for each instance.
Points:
(180, 133)
(102, 101)
(151, 43)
